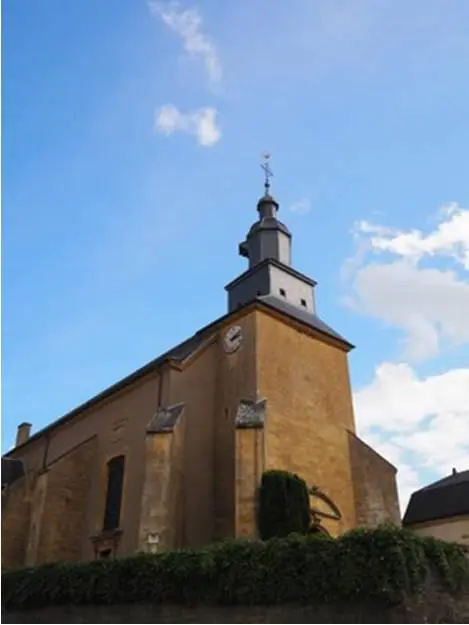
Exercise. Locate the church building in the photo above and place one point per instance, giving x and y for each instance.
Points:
(172, 455)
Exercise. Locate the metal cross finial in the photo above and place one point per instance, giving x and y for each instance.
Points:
(267, 171)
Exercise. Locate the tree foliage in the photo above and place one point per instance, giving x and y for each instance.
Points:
(283, 505)
(384, 564)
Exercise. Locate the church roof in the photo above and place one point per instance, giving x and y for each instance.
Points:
(445, 498)
(302, 315)
(275, 263)
(181, 351)
(269, 223)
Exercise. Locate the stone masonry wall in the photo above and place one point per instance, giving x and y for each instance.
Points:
(59, 527)
(163, 494)
(309, 410)
(374, 484)
(432, 607)
(16, 511)
(249, 468)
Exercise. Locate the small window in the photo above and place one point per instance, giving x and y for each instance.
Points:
(282, 292)
(115, 483)
(303, 303)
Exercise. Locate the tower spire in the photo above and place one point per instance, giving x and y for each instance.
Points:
(268, 247)
(267, 206)
(267, 172)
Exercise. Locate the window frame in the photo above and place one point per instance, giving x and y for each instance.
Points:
(115, 475)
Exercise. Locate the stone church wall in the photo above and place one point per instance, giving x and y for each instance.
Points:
(162, 514)
(16, 512)
(374, 485)
(58, 520)
(309, 410)
(235, 381)
(212, 466)
(44, 513)
(195, 385)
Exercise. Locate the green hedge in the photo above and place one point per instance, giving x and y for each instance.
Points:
(383, 564)
(283, 505)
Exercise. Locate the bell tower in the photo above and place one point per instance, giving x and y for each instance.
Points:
(268, 248)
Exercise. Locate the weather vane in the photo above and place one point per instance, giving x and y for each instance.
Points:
(267, 171)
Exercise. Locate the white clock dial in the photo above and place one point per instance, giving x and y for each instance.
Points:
(233, 339)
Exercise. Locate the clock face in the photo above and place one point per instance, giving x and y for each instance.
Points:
(232, 339)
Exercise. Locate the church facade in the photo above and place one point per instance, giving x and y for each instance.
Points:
(172, 455)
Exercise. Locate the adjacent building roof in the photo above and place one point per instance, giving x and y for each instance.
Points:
(448, 497)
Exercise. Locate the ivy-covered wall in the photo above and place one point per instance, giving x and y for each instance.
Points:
(383, 571)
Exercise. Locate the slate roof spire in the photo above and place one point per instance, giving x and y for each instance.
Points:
(267, 207)
(268, 238)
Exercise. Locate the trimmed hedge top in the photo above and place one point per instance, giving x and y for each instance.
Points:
(383, 564)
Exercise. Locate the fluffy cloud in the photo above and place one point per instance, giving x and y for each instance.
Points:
(444, 395)
(187, 24)
(450, 238)
(428, 303)
(201, 123)
(416, 422)
(420, 423)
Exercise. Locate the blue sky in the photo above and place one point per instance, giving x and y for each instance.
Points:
(131, 141)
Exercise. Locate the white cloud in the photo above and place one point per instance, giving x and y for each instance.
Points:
(187, 23)
(451, 237)
(408, 482)
(301, 207)
(398, 400)
(428, 303)
(418, 423)
(201, 123)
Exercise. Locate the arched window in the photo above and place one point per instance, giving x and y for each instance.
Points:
(115, 483)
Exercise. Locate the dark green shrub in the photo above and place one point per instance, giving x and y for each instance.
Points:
(283, 505)
(363, 565)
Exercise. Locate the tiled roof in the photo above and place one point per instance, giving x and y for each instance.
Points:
(302, 315)
(445, 498)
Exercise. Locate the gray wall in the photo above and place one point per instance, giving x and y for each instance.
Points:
(269, 279)
(295, 289)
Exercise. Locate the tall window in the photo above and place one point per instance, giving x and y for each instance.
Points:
(115, 482)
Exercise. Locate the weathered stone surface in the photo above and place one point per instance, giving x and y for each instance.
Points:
(250, 414)
(249, 469)
(16, 512)
(374, 484)
(433, 606)
(59, 516)
(165, 419)
(162, 523)
(306, 383)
